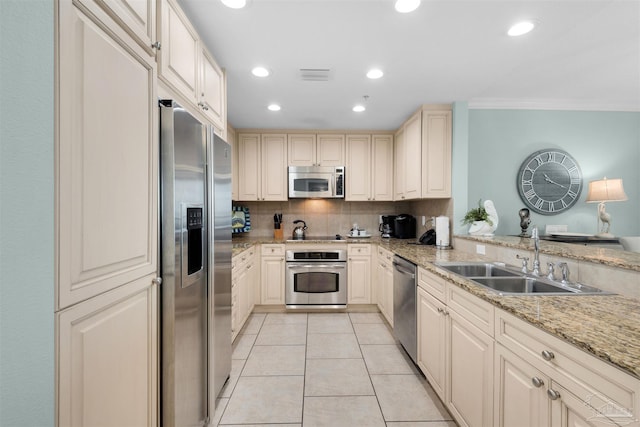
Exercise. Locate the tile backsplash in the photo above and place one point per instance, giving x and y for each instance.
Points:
(326, 217)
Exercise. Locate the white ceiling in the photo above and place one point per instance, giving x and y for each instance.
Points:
(584, 54)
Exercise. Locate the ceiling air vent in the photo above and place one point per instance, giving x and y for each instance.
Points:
(315, 74)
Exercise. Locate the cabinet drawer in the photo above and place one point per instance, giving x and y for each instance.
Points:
(480, 313)
(384, 254)
(272, 250)
(599, 384)
(359, 249)
(238, 261)
(433, 284)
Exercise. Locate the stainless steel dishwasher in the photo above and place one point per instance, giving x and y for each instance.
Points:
(404, 305)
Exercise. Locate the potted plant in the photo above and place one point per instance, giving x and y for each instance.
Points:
(480, 220)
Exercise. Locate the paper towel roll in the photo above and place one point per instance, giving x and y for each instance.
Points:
(442, 231)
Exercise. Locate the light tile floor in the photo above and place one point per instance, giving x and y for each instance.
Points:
(325, 369)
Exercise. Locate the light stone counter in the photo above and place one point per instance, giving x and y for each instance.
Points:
(606, 326)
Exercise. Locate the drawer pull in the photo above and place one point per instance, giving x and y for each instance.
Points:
(553, 395)
(537, 382)
(547, 355)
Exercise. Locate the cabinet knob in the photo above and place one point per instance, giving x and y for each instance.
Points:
(547, 355)
(156, 45)
(553, 395)
(157, 281)
(537, 382)
(272, 250)
(440, 310)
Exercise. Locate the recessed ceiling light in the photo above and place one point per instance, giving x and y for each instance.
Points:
(260, 72)
(234, 4)
(406, 6)
(375, 73)
(274, 107)
(521, 28)
(359, 108)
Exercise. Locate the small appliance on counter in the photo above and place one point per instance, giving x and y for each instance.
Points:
(404, 227)
(387, 225)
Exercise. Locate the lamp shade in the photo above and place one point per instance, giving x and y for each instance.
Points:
(606, 190)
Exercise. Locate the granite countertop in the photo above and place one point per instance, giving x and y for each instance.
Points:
(606, 326)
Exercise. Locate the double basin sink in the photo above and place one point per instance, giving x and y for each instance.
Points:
(510, 281)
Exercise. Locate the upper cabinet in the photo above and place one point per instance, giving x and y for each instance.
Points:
(188, 68)
(423, 154)
(262, 167)
(137, 17)
(232, 140)
(369, 168)
(316, 150)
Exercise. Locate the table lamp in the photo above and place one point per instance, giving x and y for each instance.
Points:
(601, 191)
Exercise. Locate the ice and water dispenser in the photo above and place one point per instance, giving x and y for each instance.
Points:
(192, 245)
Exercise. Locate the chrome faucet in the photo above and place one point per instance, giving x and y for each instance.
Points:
(536, 255)
(564, 267)
(550, 274)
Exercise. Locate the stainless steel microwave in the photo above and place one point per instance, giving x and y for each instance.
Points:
(323, 182)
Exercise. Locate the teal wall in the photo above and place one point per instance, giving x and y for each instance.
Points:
(26, 213)
(460, 166)
(603, 143)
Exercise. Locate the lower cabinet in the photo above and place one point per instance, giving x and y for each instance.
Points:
(455, 355)
(243, 281)
(272, 274)
(359, 274)
(108, 358)
(384, 284)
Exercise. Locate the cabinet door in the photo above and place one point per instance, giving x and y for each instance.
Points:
(470, 391)
(520, 392)
(399, 162)
(272, 273)
(232, 140)
(330, 150)
(359, 280)
(382, 168)
(388, 290)
(107, 153)
(108, 359)
(436, 154)
(570, 411)
(413, 157)
(432, 340)
(248, 166)
(138, 17)
(358, 168)
(212, 90)
(179, 53)
(274, 167)
(302, 149)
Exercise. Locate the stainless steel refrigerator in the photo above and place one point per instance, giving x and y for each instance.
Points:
(195, 182)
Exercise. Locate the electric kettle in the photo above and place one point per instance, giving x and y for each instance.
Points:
(298, 232)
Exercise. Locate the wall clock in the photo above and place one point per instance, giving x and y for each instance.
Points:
(549, 181)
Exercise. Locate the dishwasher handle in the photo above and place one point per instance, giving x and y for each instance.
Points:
(404, 271)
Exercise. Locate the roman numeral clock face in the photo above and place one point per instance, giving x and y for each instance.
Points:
(549, 181)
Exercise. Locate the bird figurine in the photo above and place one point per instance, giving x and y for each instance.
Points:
(605, 218)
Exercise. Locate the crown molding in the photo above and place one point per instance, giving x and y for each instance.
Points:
(551, 104)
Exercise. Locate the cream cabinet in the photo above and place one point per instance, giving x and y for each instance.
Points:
(358, 168)
(243, 278)
(106, 217)
(272, 274)
(384, 283)
(262, 170)
(369, 168)
(179, 53)
(233, 142)
(436, 154)
(212, 91)
(575, 388)
(138, 17)
(107, 360)
(274, 167)
(381, 167)
(456, 348)
(359, 274)
(316, 149)
(107, 182)
(423, 154)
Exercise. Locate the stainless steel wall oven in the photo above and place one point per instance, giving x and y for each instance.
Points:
(316, 278)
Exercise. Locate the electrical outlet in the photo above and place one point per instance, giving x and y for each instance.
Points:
(480, 249)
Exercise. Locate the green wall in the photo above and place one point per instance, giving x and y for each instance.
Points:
(603, 143)
(26, 213)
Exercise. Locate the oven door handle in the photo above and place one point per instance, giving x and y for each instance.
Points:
(298, 267)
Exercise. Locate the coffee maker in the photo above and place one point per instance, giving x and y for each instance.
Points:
(387, 226)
